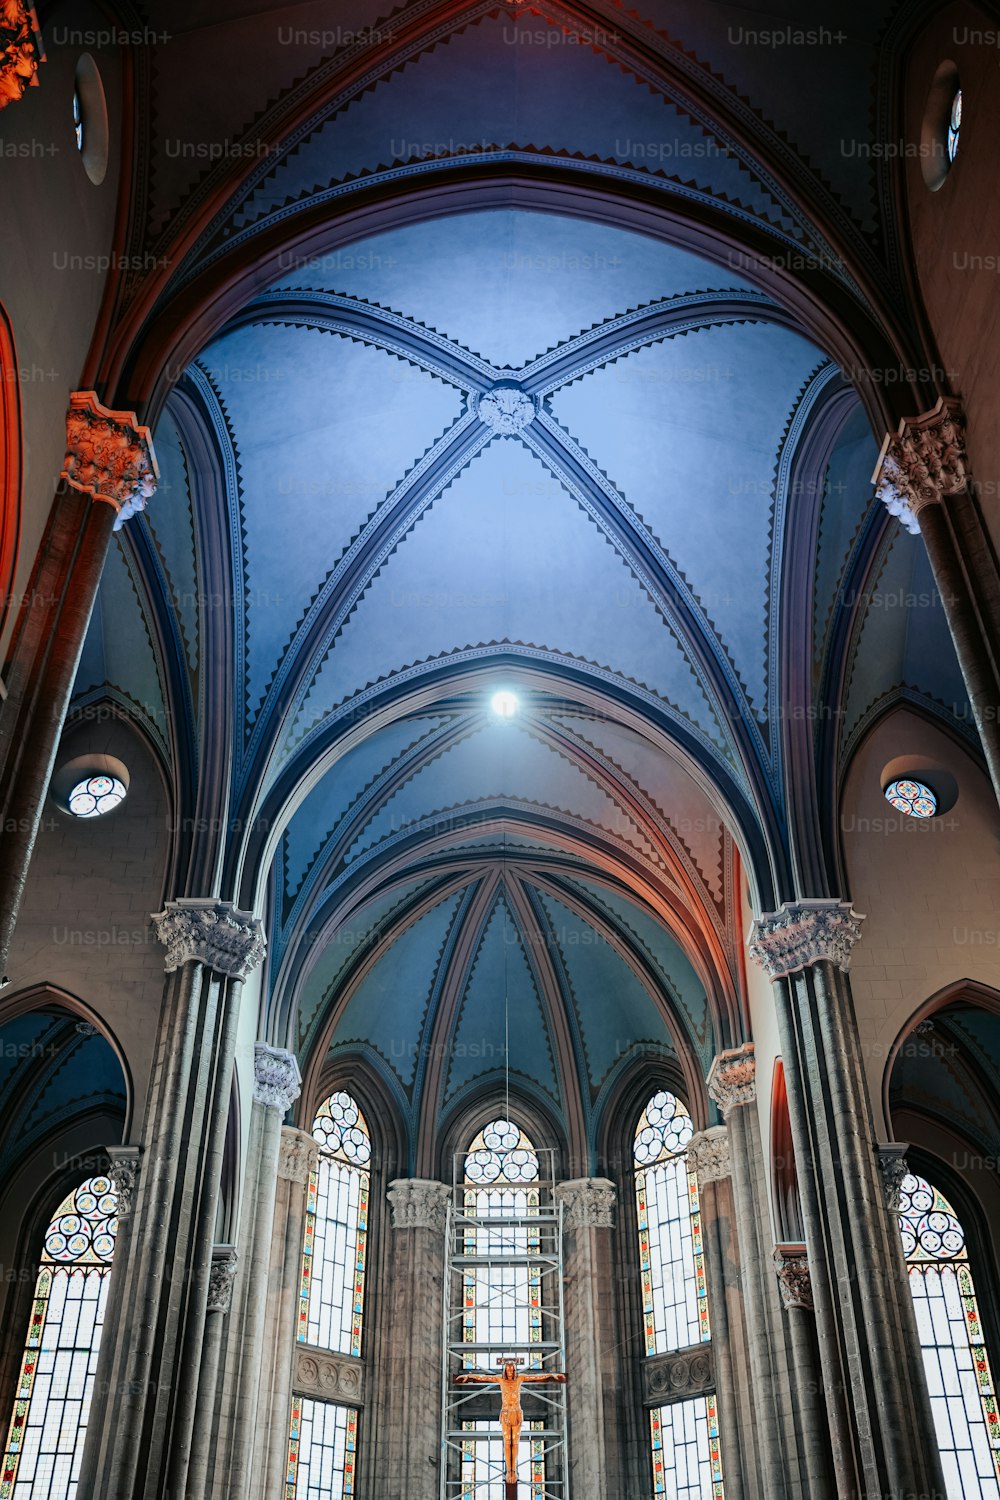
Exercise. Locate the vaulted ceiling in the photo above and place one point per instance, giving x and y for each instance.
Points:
(507, 438)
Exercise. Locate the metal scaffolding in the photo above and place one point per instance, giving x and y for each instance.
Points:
(503, 1301)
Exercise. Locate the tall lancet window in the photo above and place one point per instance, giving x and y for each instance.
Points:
(686, 1457)
(332, 1294)
(502, 1293)
(45, 1440)
(963, 1394)
(323, 1439)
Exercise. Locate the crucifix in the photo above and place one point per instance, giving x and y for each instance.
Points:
(511, 1414)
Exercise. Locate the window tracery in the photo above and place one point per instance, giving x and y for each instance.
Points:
(959, 1377)
(56, 1383)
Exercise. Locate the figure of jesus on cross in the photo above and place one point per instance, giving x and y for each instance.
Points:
(511, 1414)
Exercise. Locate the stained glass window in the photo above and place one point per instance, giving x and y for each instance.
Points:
(672, 1263)
(484, 1467)
(687, 1463)
(954, 125)
(502, 1302)
(332, 1289)
(56, 1383)
(96, 795)
(963, 1394)
(684, 1436)
(322, 1451)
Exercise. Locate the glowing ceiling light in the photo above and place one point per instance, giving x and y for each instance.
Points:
(504, 704)
(912, 797)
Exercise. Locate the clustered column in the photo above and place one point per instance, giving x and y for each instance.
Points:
(596, 1460)
(139, 1438)
(780, 1433)
(277, 1084)
(109, 459)
(709, 1154)
(877, 1404)
(298, 1157)
(407, 1410)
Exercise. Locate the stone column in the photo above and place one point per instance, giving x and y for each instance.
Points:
(297, 1157)
(109, 459)
(781, 1415)
(878, 1408)
(225, 1259)
(593, 1338)
(406, 1403)
(277, 1084)
(709, 1154)
(139, 1442)
(922, 476)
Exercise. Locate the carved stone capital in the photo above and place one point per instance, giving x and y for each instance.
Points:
(708, 1153)
(221, 1277)
(212, 933)
(20, 52)
(922, 462)
(277, 1082)
(588, 1202)
(109, 456)
(732, 1078)
(794, 1283)
(124, 1173)
(804, 933)
(685, 1373)
(298, 1155)
(418, 1203)
(891, 1156)
(329, 1376)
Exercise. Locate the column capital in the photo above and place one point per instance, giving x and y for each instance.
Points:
(588, 1202)
(892, 1164)
(419, 1203)
(210, 932)
(792, 1266)
(109, 456)
(924, 460)
(298, 1154)
(221, 1277)
(20, 51)
(277, 1082)
(124, 1173)
(708, 1153)
(732, 1078)
(804, 933)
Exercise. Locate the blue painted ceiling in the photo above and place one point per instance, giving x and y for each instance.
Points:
(339, 526)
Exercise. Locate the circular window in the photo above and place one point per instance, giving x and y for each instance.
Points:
(954, 125)
(914, 798)
(89, 786)
(941, 126)
(95, 796)
(90, 119)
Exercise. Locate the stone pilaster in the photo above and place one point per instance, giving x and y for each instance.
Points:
(406, 1406)
(140, 1441)
(109, 459)
(878, 1411)
(923, 477)
(245, 1355)
(593, 1338)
